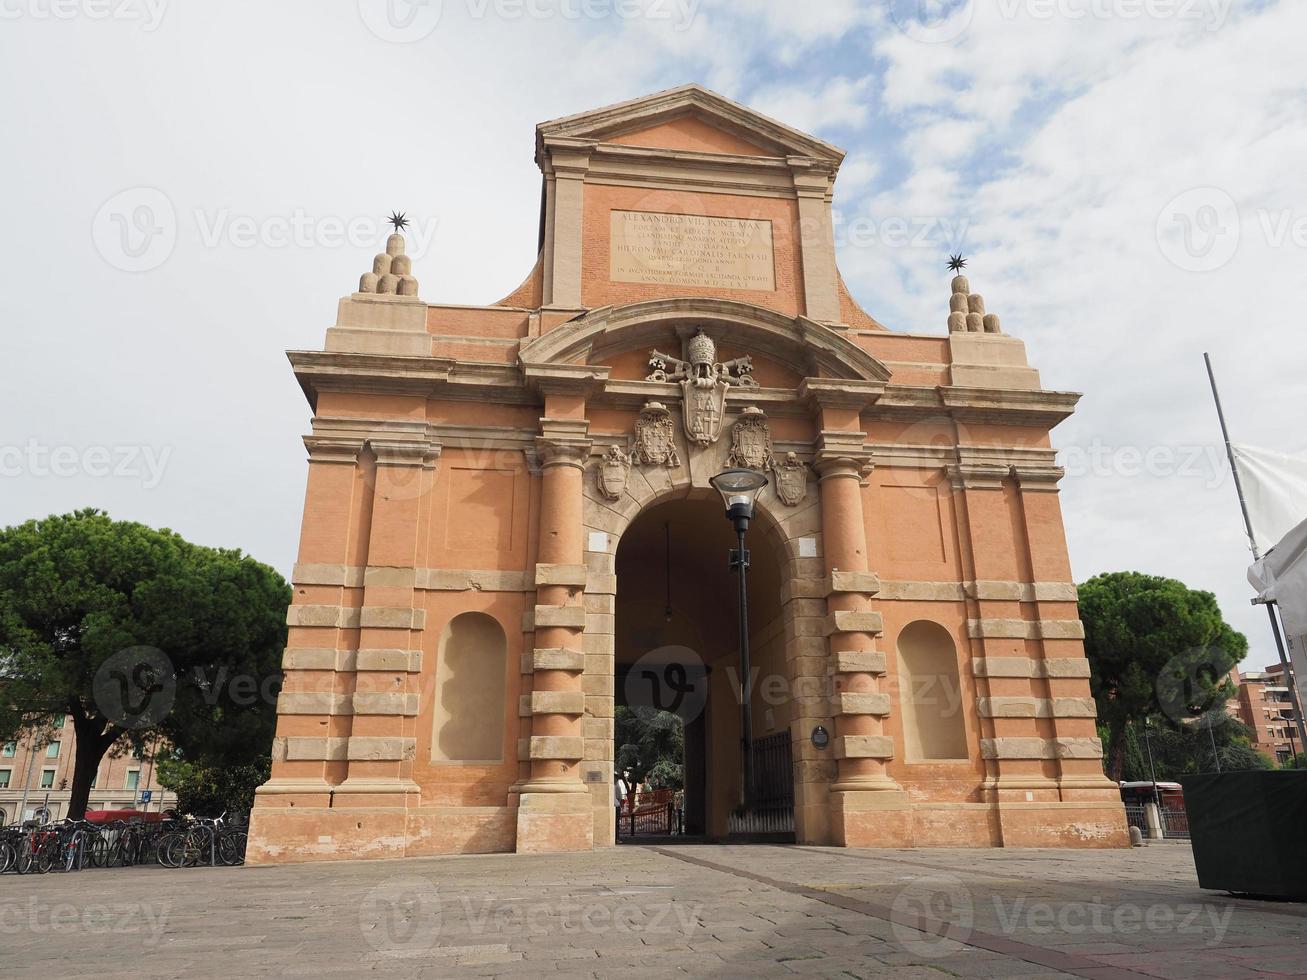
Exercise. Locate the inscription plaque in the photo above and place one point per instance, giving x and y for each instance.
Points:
(691, 250)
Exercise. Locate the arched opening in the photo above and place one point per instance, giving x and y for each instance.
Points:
(471, 681)
(930, 694)
(678, 724)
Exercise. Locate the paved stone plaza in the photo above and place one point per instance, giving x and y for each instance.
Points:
(721, 911)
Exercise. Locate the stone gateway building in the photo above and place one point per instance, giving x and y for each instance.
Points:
(509, 532)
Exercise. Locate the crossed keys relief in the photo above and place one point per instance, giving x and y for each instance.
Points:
(703, 380)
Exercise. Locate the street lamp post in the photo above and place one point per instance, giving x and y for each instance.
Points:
(739, 489)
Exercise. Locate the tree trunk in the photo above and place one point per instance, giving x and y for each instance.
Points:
(1116, 750)
(93, 741)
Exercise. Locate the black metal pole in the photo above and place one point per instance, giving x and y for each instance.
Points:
(746, 719)
(1152, 772)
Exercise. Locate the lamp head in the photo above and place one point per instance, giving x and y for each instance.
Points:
(739, 489)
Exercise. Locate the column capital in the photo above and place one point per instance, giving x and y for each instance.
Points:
(842, 454)
(563, 442)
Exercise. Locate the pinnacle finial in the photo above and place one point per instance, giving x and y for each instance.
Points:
(398, 220)
(956, 262)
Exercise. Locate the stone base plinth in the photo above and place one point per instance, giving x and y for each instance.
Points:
(1072, 824)
(284, 835)
(870, 818)
(555, 822)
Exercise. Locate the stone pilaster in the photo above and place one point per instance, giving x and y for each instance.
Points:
(554, 807)
(567, 163)
(384, 700)
(868, 808)
(813, 185)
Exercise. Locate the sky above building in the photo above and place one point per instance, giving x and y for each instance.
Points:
(189, 188)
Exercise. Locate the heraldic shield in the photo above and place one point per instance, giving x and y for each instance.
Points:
(703, 409)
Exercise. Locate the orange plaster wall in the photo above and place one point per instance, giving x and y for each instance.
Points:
(481, 510)
(690, 133)
(911, 521)
(602, 199)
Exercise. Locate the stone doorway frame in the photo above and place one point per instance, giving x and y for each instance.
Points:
(796, 534)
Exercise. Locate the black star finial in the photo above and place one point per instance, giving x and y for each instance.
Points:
(398, 220)
(956, 262)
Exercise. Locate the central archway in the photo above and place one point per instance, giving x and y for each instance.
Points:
(676, 666)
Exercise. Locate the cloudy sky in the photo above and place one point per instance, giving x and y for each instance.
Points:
(1125, 175)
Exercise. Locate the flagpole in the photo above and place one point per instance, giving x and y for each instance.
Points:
(1257, 554)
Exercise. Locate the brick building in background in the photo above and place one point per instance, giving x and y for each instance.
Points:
(1265, 707)
(45, 769)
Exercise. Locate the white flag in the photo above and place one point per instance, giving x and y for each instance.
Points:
(1281, 577)
(1275, 491)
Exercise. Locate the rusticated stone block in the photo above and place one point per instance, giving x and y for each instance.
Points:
(848, 621)
(565, 617)
(557, 702)
(566, 747)
(574, 575)
(557, 658)
(864, 747)
(846, 703)
(859, 662)
(365, 749)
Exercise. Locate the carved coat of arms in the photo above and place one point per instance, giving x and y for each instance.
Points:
(614, 470)
(703, 381)
(751, 440)
(655, 437)
(791, 480)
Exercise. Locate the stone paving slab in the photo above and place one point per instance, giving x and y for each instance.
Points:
(702, 911)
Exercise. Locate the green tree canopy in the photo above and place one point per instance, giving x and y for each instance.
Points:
(1156, 648)
(650, 744)
(138, 636)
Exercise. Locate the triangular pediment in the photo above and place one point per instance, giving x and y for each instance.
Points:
(690, 118)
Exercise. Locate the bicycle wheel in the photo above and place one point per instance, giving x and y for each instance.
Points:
(231, 848)
(26, 859)
(97, 852)
(44, 859)
(172, 850)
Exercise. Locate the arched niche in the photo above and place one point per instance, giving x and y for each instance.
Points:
(930, 694)
(470, 690)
